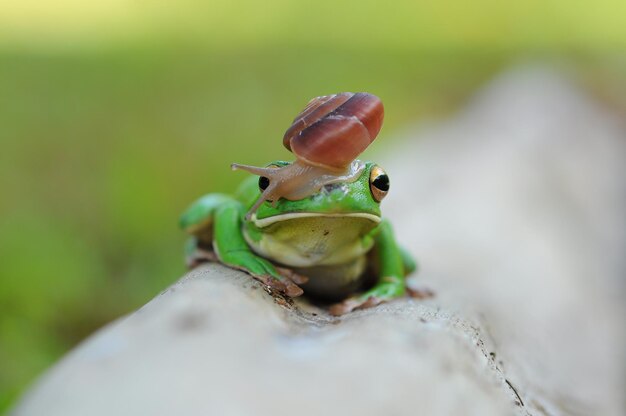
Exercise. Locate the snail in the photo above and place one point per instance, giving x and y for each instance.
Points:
(326, 138)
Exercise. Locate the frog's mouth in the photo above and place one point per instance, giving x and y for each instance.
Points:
(265, 222)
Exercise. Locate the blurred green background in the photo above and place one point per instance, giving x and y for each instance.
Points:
(114, 115)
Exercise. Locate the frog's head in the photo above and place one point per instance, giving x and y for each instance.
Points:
(358, 197)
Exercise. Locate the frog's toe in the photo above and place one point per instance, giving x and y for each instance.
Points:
(353, 304)
(291, 275)
(344, 307)
(371, 302)
(291, 285)
(270, 281)
(383, 292)
(283, 285)
(292, 289)
(291, 280)
(286, 284)
(419, 292)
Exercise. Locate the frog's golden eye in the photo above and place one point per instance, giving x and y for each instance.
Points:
(379, 183)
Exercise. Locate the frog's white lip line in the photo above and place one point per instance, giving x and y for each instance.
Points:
(264, 222)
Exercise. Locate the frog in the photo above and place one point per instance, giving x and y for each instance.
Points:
(332, 245)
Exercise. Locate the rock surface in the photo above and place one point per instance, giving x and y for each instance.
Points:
(515, 210)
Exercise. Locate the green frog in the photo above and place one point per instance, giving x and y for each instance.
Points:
(313, 224)
(330, 244)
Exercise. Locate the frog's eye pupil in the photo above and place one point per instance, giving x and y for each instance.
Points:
(382, 182)
(379, 183)
(264, 182)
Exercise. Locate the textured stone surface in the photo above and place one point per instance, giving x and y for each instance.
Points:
(515, 209)
(518, 214)
(216, 343)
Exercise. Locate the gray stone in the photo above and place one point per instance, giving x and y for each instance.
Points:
(515, 209)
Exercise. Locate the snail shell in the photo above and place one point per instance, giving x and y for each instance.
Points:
(334, 129)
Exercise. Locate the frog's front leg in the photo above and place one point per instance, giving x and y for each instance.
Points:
(391, 274)
(232, 250)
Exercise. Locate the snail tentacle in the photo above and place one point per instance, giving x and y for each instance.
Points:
(252, 169)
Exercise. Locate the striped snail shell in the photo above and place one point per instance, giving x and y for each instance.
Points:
(334, 129)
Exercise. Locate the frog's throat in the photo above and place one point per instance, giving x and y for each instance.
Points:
(265, 222)
(298, 180)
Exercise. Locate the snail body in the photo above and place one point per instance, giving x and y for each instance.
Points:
(326, 138)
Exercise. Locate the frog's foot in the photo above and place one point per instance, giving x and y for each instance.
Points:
(353, 304)
(284, 285)
(419, 292)
(265, 272)
(291, 275)
(387, 290)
